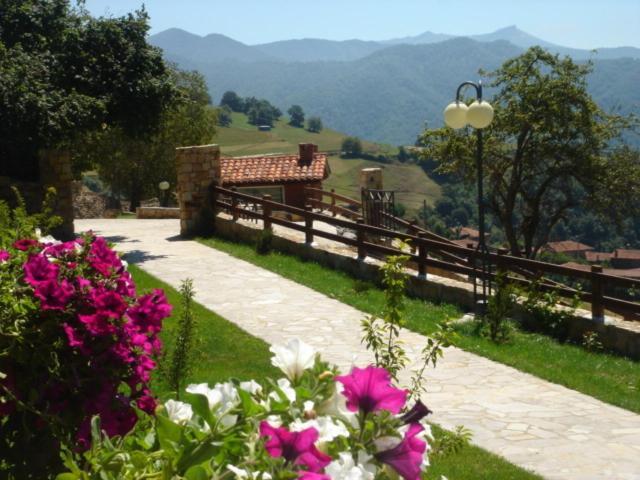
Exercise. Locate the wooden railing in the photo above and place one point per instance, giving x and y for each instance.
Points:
(436, 254)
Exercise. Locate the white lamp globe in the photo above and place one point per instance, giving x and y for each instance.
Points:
(164, 185)
(455, 115)
(480, 114)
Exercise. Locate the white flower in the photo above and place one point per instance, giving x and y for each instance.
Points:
(336, 406)
(221, 399)
(274, 420)
(241, 473)
(346, 469)
(178, 412)
(326, 427)
(251, 386)
(293, 358)
(308, 406)
(286, 388)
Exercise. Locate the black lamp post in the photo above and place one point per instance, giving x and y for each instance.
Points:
(478, 115)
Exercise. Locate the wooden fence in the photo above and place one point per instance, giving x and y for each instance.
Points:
(430, 251)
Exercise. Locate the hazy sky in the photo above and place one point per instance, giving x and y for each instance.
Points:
(573, 23)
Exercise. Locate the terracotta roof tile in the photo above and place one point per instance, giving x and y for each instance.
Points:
(264, 169)
(597, 256)
(618, 272)
(627, 254)
(567, 246)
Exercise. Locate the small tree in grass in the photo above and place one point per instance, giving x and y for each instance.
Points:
(296, 116)
(314, 124)
(351, 147)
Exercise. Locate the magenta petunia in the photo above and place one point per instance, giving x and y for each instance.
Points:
(370, 390)
(125, 285)
(102, 258)
(417, 413)
(407, 457)
(295, 447)
(98, 323)
(54, 295)
(4, 255)
(148, 313)
(38, 269)
(304, 475)
(146, 402)
(108, 302)
(25, 244)
(75, 340)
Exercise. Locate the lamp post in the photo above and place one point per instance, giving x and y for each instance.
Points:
(478, 115)
(164, 187)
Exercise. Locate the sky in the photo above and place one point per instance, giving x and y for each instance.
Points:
(572, 23)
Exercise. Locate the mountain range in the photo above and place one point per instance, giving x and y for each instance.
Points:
(382, 91)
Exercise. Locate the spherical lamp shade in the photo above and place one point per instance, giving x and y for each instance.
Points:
(164, 185)
(455, 115)
(480, 114)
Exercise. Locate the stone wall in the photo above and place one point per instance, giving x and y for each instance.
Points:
(55, 171)
(157, 212)
(198, 167)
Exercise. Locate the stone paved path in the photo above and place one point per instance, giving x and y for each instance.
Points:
(554, 431)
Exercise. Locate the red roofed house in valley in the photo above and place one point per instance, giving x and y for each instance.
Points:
(568, 247)
(623, 258)
(284, 177)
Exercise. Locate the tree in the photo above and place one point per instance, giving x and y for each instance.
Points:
(65, 73)
(233, 101)
(351, 147)
(224, 116)
(296, 116)
(261, 112)
(314, 124)
(134, 166)
(549, 150)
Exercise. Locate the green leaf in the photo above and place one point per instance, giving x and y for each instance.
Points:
(249, 406)
(68, 476)
(197, 472)
(195, 455)
(200, 406)
(169, 433)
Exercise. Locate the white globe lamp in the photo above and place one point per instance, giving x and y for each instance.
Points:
(455, 115)
(480, 114)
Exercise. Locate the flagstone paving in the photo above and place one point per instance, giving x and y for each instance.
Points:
(544, 427)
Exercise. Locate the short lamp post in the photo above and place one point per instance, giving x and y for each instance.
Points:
(164, 188)
(478, 115)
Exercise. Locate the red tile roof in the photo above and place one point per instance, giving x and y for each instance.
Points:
(597, 256)
(468, 232)
(266, 169)
(627, 254)
(565, 246)
(618, 272)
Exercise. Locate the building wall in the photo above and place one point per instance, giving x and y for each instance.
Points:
(294, 193)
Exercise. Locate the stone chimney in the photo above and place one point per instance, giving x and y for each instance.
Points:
(307, 150)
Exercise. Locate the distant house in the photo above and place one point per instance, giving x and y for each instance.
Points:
(618, 272)
(568, 247)
(284, 177)
(469, 233)
(597, 257)
(623, 258)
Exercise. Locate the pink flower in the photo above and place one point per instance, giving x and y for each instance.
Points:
(125, 286)
(108, 302)
(296, 447)
(25, 244)
(54, 295)
(149, 312)
(83, 283)
(75, 340)
(370, 390)
(304, 475)
(406, 458)
(146, 402)
(98, 323)
(38, 269)
(417, 413)
(4, 255)
(102, 258)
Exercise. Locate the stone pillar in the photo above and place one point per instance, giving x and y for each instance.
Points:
(197, 168)
(55, 171)
(371, 178)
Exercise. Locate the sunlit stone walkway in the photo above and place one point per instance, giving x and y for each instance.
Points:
(554, 431)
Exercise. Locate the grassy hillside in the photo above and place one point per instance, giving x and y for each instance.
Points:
(409, 181)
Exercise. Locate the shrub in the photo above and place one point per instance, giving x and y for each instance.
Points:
(494, 323)
(75, 341)
(546, 313)
(302, 426)
(264, 242)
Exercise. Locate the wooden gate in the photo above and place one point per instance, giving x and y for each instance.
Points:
(378, 207)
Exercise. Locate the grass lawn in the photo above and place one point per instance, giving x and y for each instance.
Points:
(610, 378)
(224, 351)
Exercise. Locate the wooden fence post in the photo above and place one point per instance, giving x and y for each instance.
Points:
(413, 230)
(597, 309)
(266, 212)
(234, 206)
(422, 257)
(333, 203)
(308, 225)
(362, 254)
